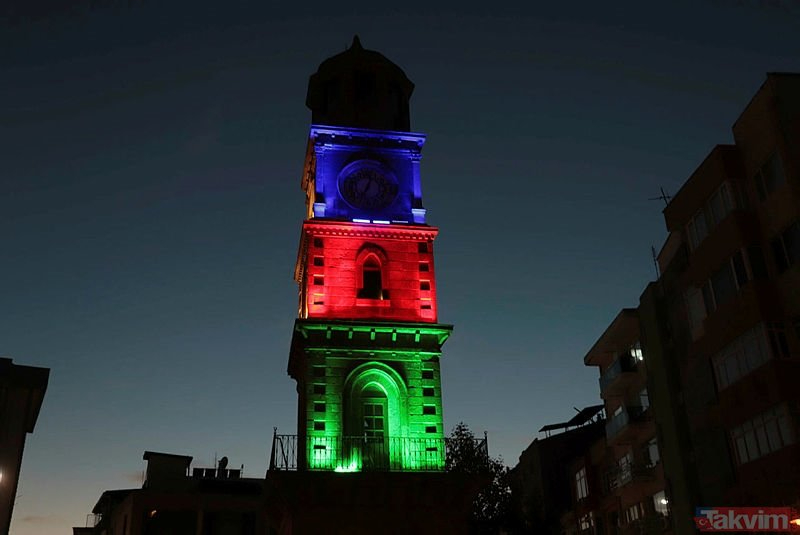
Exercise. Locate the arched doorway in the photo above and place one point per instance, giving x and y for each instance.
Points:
(374, 440)
(375, 417)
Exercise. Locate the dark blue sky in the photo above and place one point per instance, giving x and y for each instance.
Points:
(150, 206)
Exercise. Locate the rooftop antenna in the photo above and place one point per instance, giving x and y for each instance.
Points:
(663, 197)
(655, 261)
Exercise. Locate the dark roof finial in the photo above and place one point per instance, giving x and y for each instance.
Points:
(356, 43)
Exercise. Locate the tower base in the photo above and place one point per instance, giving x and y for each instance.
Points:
(369, 502)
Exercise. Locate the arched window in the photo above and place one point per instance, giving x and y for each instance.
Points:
(371, 287)
(370, 263)
(371, 280)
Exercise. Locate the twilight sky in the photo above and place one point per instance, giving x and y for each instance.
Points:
(150, 206)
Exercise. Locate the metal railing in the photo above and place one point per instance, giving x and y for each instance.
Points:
(622, 475)
(360, 453)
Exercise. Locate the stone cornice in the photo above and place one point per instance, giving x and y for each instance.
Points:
(369, 230)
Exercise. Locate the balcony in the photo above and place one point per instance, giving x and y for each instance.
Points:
(358, 454)
(622, 426)
(622, 476)
(618, 376)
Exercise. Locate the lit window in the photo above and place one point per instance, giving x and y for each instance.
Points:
(633, 513)
(660, 503)
(636, 351)
(581, 484)
(586, 522)
(653, 455)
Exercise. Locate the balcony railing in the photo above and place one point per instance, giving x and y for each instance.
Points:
(624, 364)
(621, 476)
(356, 454)
(619, 422)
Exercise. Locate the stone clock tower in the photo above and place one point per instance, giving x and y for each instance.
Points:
(369, 454)
(366, 345)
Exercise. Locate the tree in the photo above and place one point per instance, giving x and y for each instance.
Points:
(467, 455)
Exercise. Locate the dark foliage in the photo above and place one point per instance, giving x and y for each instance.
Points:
(492, 505)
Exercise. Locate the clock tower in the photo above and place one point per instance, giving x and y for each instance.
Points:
(366, 345)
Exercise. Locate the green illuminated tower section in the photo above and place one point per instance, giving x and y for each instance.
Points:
(366, 345)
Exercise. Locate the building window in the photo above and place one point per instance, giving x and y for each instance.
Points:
(319, 371)
(725, 283)
(713, 211)
(769, 431)
(633, 513)
(319, 426)
(695, 309)
(429, 409)
(430, 429)
(652, 453)
(636, 351)
(424, 266)
(428, 392)
(371, 286)
(644, 399)
(319, 280)
(319, 261)
(319, 407)
(586, 522)
(427, 374)
(319, 389)
(770, 176)
(786, 247)
(778, 343)
(746, 353)
(749, 351)
(660, 503)
(318, 243)
(581, 484)
(422, 247)
(425, 285)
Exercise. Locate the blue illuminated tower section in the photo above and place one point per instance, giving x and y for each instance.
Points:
(367, 342)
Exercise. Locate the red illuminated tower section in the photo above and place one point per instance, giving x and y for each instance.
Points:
(366, 345)
(367, 271)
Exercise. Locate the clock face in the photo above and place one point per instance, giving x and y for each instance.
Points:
(368, 186)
